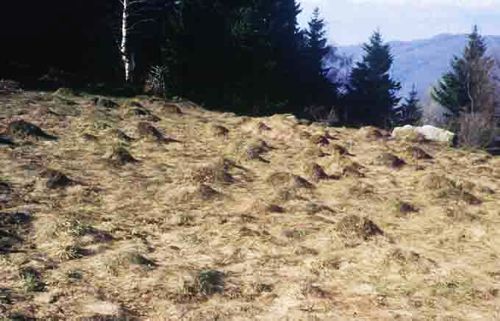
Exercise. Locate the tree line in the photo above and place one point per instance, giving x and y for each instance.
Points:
(249, 56)
(246, 56)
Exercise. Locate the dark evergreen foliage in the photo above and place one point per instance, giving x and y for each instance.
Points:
(247, 56)
(317, 88)
(61, 40)
(466, 87)
(372, 94)
(410, 112)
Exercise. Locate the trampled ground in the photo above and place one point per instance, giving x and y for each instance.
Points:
(149, 210)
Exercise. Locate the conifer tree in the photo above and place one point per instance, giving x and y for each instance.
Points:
(410, 112)
(240, 54)
(412, 107)
(278, 46)
(317, 87)
(468, 87)
(468, 92)
(372, 93)
(316, 43)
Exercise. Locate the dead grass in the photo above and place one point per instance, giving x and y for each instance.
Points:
(371, 133)
(21, 129)
(389, 160)
(218, 172)
(317, 173)
(147, 130)
(354, 226)
(120, 156)
(239, 220)
(444, 188)
(57, 179)
(219, 130)
(417, 153)
(287, 180)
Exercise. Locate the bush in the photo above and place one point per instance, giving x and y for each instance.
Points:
(477, 130)
(156, 81)
(323, 114)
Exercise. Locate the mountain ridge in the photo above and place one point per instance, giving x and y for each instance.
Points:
(423, 61)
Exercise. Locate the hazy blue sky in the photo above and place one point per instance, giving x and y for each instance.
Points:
(352, 21)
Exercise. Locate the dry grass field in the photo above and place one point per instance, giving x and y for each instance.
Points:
(148, 210)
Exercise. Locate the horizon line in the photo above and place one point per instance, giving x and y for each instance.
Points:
(410, 40)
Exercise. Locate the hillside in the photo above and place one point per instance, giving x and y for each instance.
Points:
(422, 62)
(150, 210)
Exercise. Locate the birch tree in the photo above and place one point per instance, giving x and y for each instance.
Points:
(132, 15)
(124, 50)
(139, 18)
(126, 28)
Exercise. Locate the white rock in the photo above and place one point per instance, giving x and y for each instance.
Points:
(428, 132)
(402, 132)
(436, 134)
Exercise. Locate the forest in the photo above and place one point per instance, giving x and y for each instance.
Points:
(246, 56)
(220, 53)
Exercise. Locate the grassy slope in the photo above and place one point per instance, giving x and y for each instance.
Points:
(131, 240)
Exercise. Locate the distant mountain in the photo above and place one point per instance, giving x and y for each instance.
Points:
(422, 62)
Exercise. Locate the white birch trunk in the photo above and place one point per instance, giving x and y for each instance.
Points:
(130, 8)
(124, 41)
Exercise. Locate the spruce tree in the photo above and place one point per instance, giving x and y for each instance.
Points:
(317, 89)
(317, 47)
(198, 50)
(372, 93)
(279, 33)
(412, 107)
(241, 54)
(467, 88)
(410, 112)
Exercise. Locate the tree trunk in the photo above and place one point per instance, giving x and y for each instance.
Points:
(124, 41)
